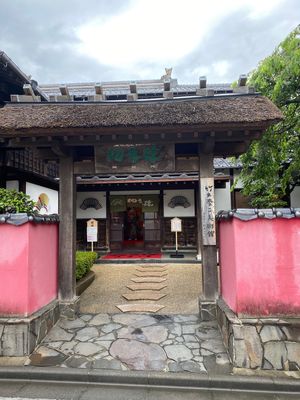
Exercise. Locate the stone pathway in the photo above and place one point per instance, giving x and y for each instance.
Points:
(174, 343)
(147, 284)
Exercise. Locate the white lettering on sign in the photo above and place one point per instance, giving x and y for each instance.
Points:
(176, 225)
(208, 211)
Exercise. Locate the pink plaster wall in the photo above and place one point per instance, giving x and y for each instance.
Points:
(28, 267)
(260, 266)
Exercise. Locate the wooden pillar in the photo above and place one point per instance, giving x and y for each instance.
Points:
(108, 221)
(3, 168)
(206, 227)
(67, 230)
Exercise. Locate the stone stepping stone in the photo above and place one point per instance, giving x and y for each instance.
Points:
(138, 355)
(151, 269)
(144, 295)
(148, 279)
(142, 307)
(147, 286)
(156, 266)
(150, 273)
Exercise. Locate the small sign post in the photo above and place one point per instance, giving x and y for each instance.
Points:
(92, 231)
(176, 226)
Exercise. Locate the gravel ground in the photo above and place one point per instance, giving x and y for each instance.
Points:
(184, 288)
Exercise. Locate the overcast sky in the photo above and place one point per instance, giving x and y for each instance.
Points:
(60, 41)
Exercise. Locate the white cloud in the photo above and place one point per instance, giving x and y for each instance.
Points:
(221, 68)
(161, 32)
(150, 31)
(261, 8)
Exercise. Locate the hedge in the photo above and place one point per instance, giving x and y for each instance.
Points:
(84, 262)
(13, 202)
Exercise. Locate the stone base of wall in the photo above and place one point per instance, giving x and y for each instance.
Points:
(207, 310)
(259, 342)
(20, 336)
(69, 309)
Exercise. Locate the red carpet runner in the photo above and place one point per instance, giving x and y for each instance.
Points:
(130, 255)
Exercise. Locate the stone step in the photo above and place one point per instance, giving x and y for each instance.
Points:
(150, 273)
(151, 269)
(148, 279)
(142, 307)
(144, 295)
(158, 266)
(147, 286)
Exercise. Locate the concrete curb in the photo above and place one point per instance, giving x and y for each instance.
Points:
(85, 282)
(142, 378)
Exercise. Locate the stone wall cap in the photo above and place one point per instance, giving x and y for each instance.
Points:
(22, 218)
(248, 214)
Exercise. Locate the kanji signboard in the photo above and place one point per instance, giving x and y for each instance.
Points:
(176, 225)
(208, 211)
(134, 158)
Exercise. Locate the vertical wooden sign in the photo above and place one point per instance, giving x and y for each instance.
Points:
(208, 211)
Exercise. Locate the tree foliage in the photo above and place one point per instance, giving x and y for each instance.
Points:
(13, 202)
(271, 167)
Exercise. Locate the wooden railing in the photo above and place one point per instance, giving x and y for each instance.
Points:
(26, 161)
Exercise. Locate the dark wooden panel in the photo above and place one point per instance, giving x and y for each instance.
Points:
(186, 239)
(81, 235)
(134, 158)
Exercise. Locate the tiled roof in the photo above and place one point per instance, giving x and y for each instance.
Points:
(122, 89)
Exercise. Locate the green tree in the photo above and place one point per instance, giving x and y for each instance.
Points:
(271, 167)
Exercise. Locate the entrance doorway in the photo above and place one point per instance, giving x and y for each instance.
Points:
(133, 230)
(127, 230)
(135, 223)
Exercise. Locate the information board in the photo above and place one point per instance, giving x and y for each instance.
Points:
(176, 225)
(92, 230)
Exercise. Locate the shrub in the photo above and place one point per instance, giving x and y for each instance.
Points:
(84, 262)
(14, 202)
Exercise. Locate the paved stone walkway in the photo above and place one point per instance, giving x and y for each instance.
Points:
(172, 343)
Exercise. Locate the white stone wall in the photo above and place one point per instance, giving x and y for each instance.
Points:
(223, 198)
(35, 191)
(295, 197)
(91, 212)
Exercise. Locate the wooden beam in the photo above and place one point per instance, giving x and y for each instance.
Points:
(208, 145)
(84, 167)
(67, 230)
(59, 132)
(45, 154)
(206, 226)
(60, 151)
(230, 149)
